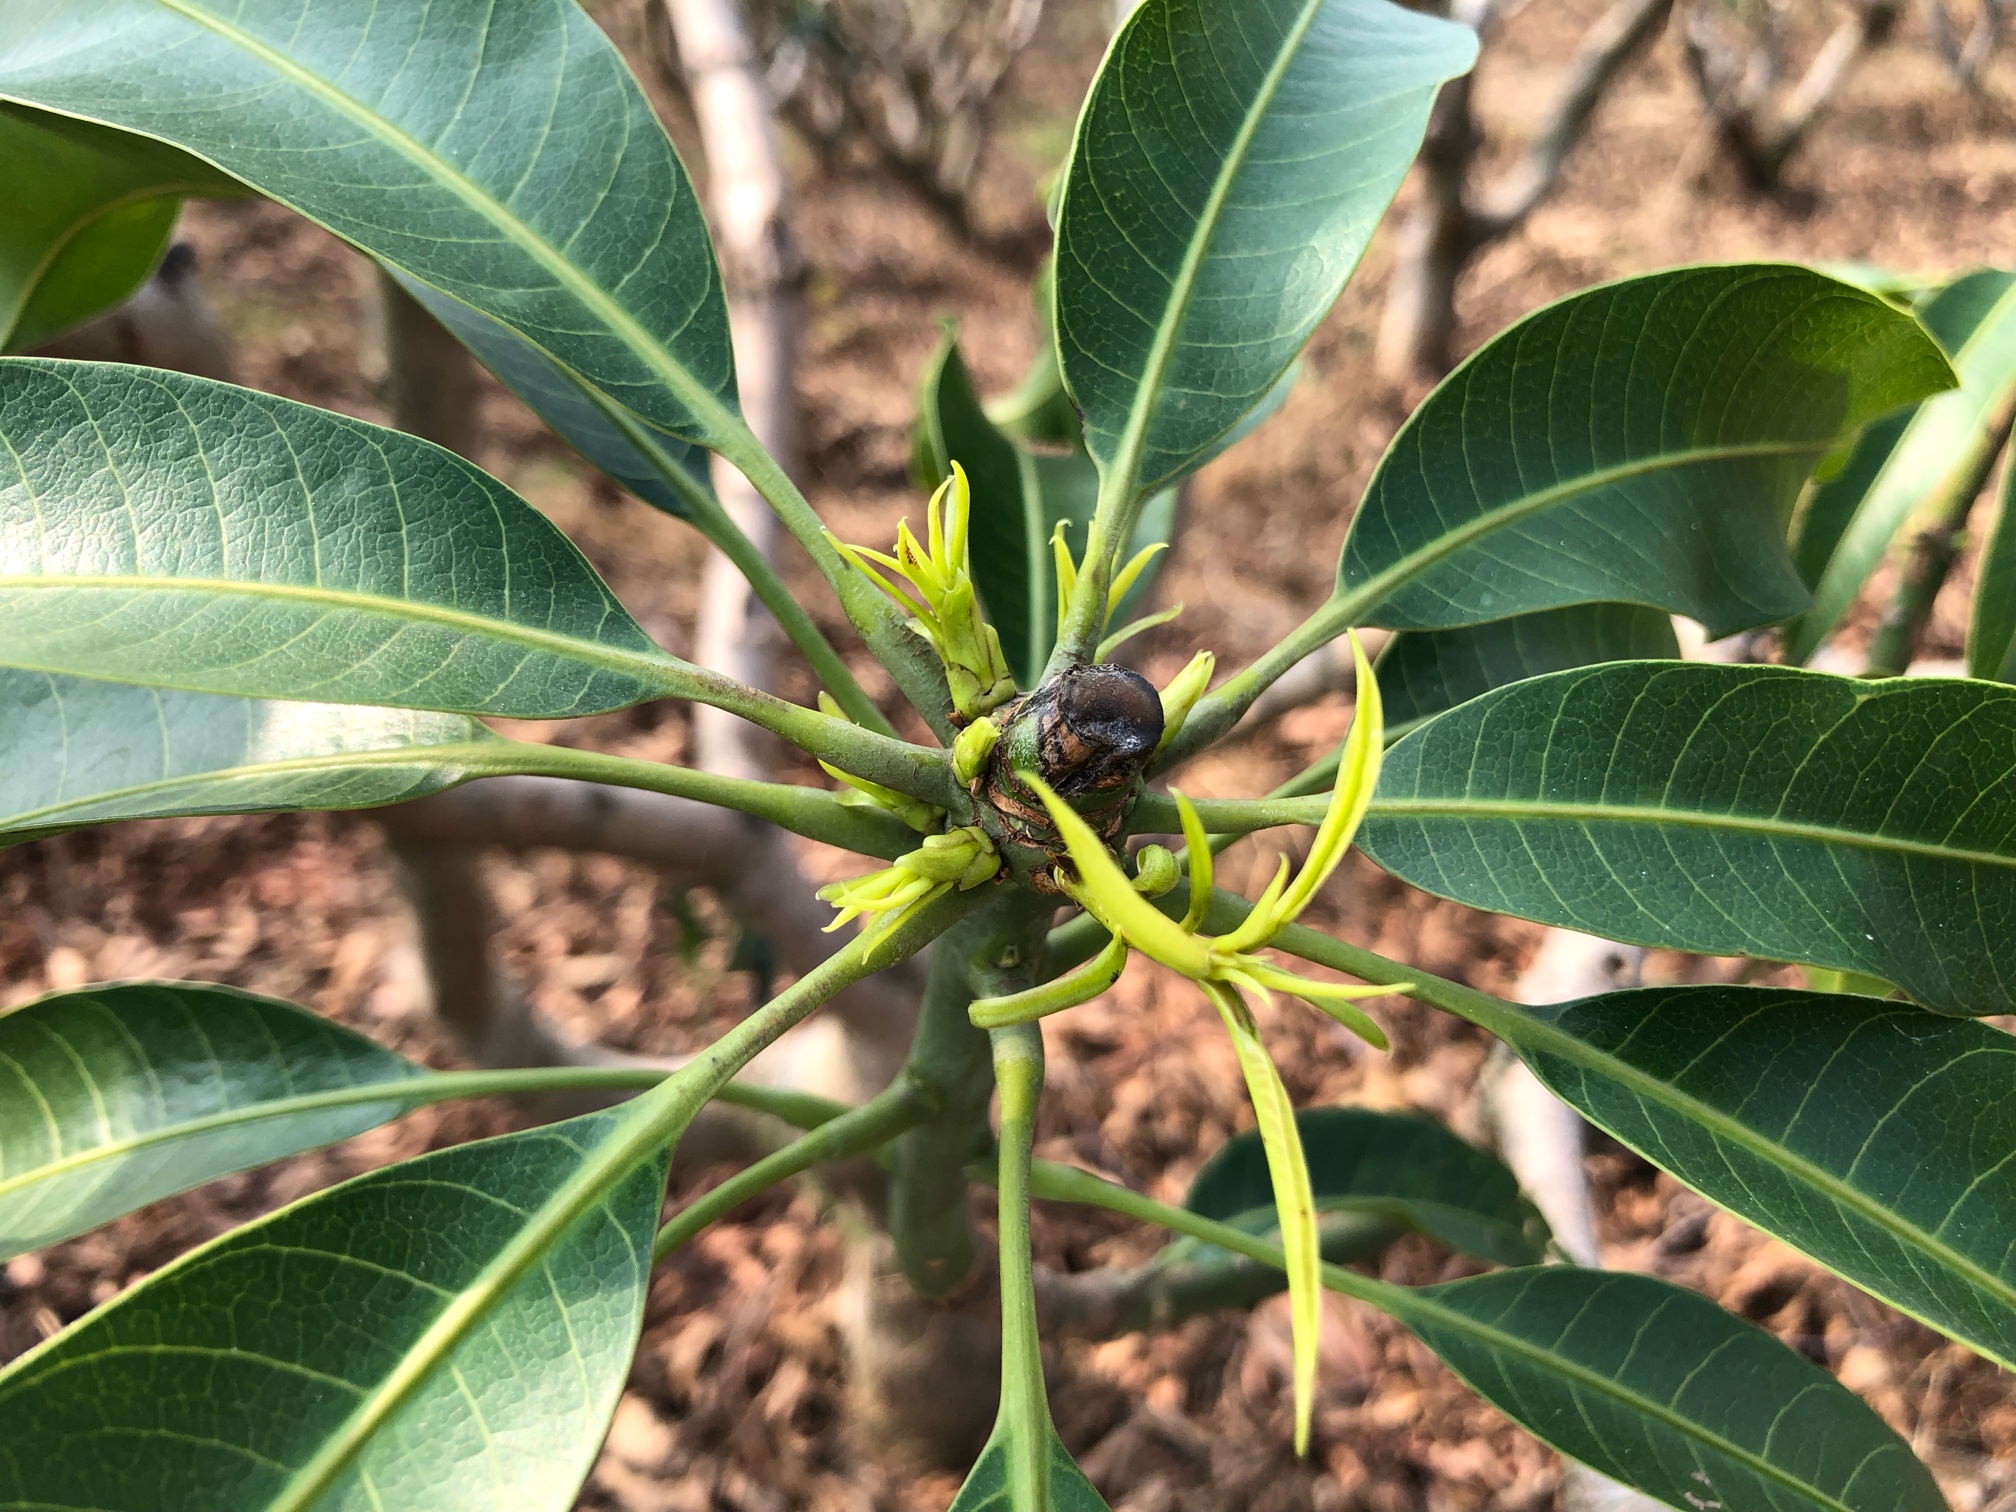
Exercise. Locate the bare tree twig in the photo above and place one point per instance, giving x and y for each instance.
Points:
(1967, 59)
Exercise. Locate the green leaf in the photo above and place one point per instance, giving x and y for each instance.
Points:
(1660, 1389)
(1423, 672)
(1019, 496)
(502, 154)
(1404, 1166)
(1874, 1136)
(82, 752)
(1991, 633)
(1644, 442)
(450, 1332)
(612, 441)
(1230, 164)
(1762, 811)
(162, 529)
(114, 1097)
(88, 213)
(1946, 445)
(987, 1487)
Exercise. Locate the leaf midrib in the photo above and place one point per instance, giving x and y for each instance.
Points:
(651, 668)
(1558, 1042)
(1148, 392)
(1604, 813)
(1348, 606)
(719, 417)
(459, 754)
(1399, 1300)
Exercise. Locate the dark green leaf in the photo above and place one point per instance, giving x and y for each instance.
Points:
(1423, 672)
(606, 437)
(1399, 1165)
(82, 752)
(162, 529)
(88, 212)
(449, 1332)
(1660, 1389)
(1763, 811)
(1642, 442)
(987, 1488)
(114, 1097)
(502, 154)
(1019, 496)
(1991, 635)
(1230, 164)
(1946, 445)
(1878, 1138)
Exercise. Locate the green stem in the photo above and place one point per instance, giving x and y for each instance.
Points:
(1155, 814)
(840, 1136)
(715, 523)
(1018, 1070)
(812, 812)
(908, 658)
(1219, 710)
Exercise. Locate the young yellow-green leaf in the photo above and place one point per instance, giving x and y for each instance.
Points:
(114, 1097)
(502, 154)
(450, 1332)
(1230, 163)
(77, 751)
(88, 212)
(162, 529)
(1423, 672)
(1878, 1138)
(1402, 1166)
(1762, 811)
(1643, 442)
(1947, 445)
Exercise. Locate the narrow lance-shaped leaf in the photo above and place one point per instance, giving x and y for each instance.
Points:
(1991, 634)
(88, 212)
(162, 529)
(1878, 1138)
(453, 1331)
(76, 751)
(1230, 163)
(1947, 445)
(1399, 1165)
(1644, 442)
(1662, 1390)
(114, 1097)
(1423, 672)
(1763, 811)
(502, 154)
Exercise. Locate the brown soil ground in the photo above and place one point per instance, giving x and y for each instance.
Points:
(737, 1397)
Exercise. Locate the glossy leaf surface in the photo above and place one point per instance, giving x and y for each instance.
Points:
(987, 1488)
(611, 439)
(1642, 442)
(162, 529)
(1939, 450)
(77, 752)
(1229, 166)
(114, 1097)
(1399, 1165)
(502, 154)
(1660, 1389)
(1423, 672)
(446, 1333)
(88, 212)
(1762, 811)
(1878, 1138)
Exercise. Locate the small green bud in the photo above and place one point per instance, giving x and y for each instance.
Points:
(830, 706)
(1181, 696)
(1155, 871)
(971, 750)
